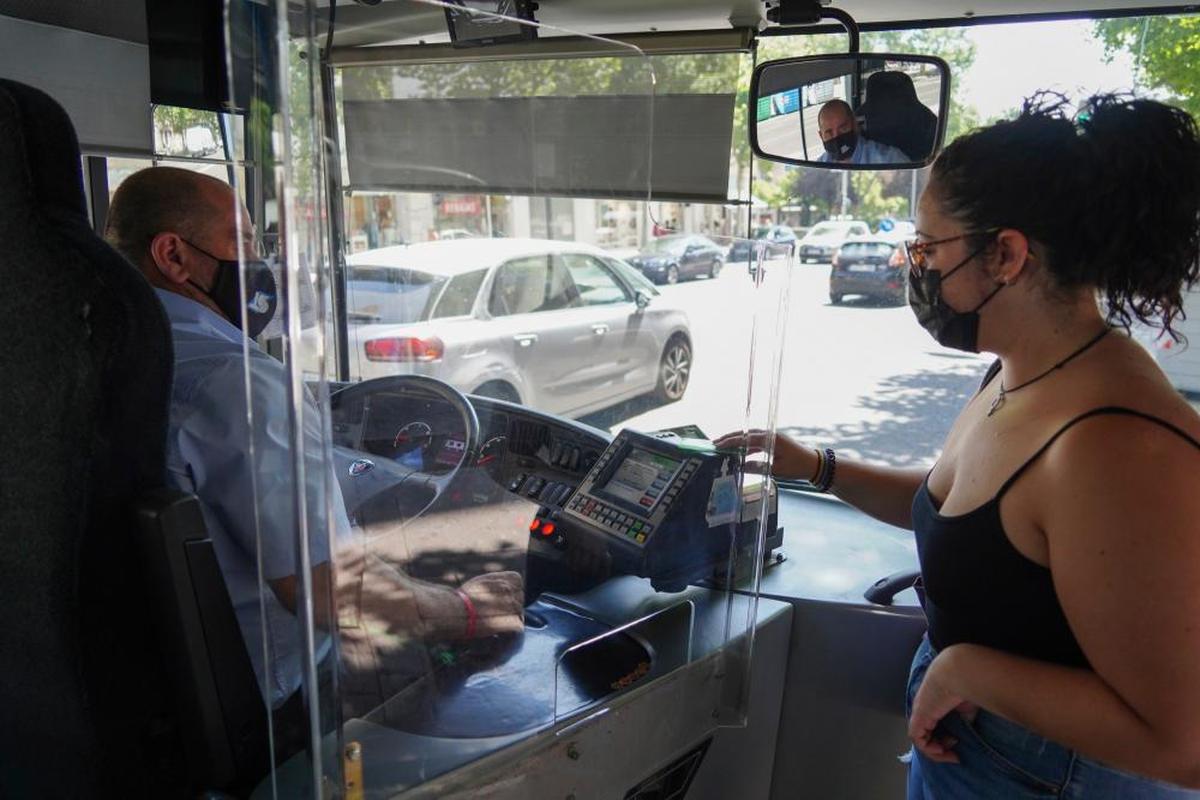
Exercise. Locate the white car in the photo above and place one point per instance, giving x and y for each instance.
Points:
(562, 327)
(823, 240)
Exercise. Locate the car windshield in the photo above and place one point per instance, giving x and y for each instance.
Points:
(390, 295)
(761, 233)
(826, 229)
(632, 276)
(669, 246)
(867, 249)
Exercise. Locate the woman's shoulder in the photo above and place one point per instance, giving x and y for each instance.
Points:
(1127, 412)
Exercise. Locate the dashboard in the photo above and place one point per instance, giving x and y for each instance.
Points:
(385, 437)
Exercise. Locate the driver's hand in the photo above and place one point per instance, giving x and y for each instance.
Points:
(498, 598)
(792, 460)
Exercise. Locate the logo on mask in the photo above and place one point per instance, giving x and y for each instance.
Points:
(261, 302)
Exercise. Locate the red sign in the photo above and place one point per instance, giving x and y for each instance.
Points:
(462, 206)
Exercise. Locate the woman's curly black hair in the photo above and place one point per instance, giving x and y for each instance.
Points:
(1112, 193)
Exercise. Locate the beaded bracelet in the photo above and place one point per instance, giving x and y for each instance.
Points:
(825, 476)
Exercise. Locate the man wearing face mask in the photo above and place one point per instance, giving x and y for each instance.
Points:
(194, 242)
(843, 142)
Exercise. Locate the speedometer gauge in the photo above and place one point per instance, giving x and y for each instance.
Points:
(414, 434)
(491, 450)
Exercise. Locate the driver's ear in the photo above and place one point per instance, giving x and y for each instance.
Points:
(1012, 251)
(166, 253)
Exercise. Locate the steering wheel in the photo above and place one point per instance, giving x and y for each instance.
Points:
(364, 477)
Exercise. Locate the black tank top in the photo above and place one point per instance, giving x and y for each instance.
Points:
(980, 589)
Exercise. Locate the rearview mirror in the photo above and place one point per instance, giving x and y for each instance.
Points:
(850, 111)
(642, 298)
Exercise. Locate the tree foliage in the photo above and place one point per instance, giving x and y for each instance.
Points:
(1166, 54)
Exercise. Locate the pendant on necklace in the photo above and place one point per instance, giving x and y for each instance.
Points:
(997, 403)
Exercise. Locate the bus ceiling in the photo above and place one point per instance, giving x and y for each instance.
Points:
(405, 22)
(400, 22)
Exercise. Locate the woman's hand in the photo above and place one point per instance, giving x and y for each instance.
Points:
(792, 461)
(936, 698)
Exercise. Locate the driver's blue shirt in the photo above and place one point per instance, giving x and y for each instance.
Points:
(240, 465)
(869, 151)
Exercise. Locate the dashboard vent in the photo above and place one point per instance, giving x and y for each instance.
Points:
(525, 438)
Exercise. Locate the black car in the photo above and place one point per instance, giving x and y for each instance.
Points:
(672, 258)
(776, 240)
(871, 268)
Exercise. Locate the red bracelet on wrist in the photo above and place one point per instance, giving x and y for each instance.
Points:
(472, 615)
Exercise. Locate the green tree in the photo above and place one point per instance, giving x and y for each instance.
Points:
(1166, 54)
(872, 204)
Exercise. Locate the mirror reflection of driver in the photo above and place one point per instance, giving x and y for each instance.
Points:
(186, 232)
(843, 142)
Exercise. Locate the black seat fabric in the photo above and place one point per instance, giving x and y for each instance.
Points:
(86, 360)
(893, 115)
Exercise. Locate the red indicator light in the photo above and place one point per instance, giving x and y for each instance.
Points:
(548, 529)
(404, 348)
(533, 526)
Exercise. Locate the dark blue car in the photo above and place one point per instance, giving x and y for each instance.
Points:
(672, 258)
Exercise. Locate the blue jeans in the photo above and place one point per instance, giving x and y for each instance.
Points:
(1000, 759)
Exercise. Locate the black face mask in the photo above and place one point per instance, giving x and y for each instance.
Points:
(841, 146)
(257, 306)
(955, 329)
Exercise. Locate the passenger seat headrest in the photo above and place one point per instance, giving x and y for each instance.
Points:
(39, 153)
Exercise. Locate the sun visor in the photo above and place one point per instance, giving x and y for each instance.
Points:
(581, 146)
(102, 82)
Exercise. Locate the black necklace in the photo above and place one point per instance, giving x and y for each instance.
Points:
(998, 403)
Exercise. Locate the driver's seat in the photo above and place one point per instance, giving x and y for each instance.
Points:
(93, 551)
(83, 693)
(894, 115)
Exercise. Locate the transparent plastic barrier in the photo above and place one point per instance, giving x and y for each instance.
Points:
(281, 519)
(425, 500)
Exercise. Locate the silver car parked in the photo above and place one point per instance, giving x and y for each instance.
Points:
(562, 327)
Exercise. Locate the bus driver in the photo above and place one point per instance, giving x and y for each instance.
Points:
(181, 229)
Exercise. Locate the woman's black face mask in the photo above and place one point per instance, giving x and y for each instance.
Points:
(955, 329)
(258, 304)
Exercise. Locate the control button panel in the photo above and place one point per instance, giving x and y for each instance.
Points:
(611, 518)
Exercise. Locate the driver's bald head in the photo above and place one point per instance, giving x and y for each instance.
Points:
(164, 199)
(835, 117)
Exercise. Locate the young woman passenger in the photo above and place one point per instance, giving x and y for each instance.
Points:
(1059, 531)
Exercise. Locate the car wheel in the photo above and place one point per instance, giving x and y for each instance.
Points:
(672, 274)
(835, 298)
(714, 269)
(498, 390)
(674, 370)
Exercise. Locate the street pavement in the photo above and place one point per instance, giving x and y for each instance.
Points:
(861, 377)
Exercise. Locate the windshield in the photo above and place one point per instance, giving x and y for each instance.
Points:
(876, 365)
(390, 294)
(867, 249)
(670, 246)
(637, 279)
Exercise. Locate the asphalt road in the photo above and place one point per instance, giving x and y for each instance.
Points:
(861, 377)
